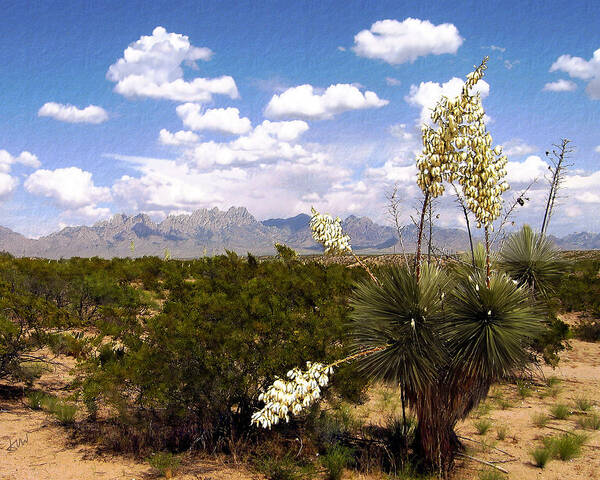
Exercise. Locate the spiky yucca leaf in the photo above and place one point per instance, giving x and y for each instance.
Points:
(406, 315)
(531, 259)
(488, 328)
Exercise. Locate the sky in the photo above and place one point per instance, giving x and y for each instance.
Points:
(168, 107)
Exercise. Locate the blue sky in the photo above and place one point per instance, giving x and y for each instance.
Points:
(166, 107)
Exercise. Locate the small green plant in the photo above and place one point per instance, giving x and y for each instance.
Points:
(541, 456)
(553, 381)
(29, 372)
(554, 391)
(165, 462)
(565, 447)
(590, 422)
(560, 411)
(504, 403)
(540, 419)
(284, 468)
(336, 460)
(482, 409)
(490, 474)
(523, 389)
(583, 404)
(483, 425)
(64, 412)
(501, 431)
(35, 399)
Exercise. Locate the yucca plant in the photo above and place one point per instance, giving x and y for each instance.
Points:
(531, 259)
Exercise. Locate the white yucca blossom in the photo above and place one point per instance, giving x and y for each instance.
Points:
(328, 232)
(460, 149)
(285, 397)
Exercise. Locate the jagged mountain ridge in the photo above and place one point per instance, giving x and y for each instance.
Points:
(211, 231)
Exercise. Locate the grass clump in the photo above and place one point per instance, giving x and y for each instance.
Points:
(553, 381)
(490, 474)
(560, 411)
(483, 425)
(541, 456)
(166, 463)
(501, 431)
(523, 389)
(36, 399)
(583, 404)
(589, 422)
(482, 409)
(540, 419)
(64, 412)
(336, 460)
(565, 447)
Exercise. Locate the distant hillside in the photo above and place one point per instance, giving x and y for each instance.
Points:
(212, 231)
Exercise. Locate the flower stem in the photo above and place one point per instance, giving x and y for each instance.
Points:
(420, 236)
(364, 265)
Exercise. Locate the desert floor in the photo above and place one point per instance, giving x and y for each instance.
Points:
(34, 447)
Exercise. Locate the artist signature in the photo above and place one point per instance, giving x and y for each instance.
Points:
(15, 443)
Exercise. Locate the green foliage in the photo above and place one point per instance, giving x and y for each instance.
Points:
(560, 411)
(541, 456)
(566, 446)
(274, 468)
(579, 289)
(337, 458)
(165, 462)
(540, 419)
(553, 381)
(226, 330)
(483, 425)
(583, 403)
(501, 431)
(36, 399)
(531, 260)
(590, 422)
(523, 389)
(490, 474)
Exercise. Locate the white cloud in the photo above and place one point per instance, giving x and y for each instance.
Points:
(304, 102)
(224, 120)
(268, 142)
(24, 158)
(399, 42)
(561, 85)
(533, 167)
(517, 147)
(71, 187)
(393, 82)
(71, 114)
(500, 49)
(577, 67)
(509, 64)
(151, 67)
(597, 149)
(427, 94)
(182, 137)
(7, 185)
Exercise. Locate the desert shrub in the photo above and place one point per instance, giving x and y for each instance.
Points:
(501, 431)
(540, 419)
(566, 446)
(483, 425)
(65, 412)
(590, 422)
(490, 474)
(587, 329)
(583, 403)
(165, 463)
(35, 399)
(560, 411)
(274, 468)
(523, 389)
(72, 344)
(541, 456)
(337, 458)
(579, 289)
(197, 367)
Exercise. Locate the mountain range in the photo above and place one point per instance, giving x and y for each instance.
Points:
(212, 231)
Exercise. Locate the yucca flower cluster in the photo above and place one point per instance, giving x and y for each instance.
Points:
(460, 149)
(285, 397)
(328, 232)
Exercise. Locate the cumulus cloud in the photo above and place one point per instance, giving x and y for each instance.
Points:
(304, 102)
(152, 67)
(224, 120)
(533, 167)
(182, 137)
(578, 67)
(427, 94)
(70, 188)
(399, 42)
(7, 185)
(561, 85)
(71, 114)
(393, 82)
(24, 158)
(597, 149)
(517, 147)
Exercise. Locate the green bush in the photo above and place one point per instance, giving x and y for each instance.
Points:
(64, 412)
(165, 462)
(566, 446)
(336, 460)
(541, 456)
(197, 367)
(490, 474)
(36, 399)
(560, 411)
(274, 468)
(590, 422)
(583, 403)
(540, 419)
(483, 425)
(501, 431)
(588, 329)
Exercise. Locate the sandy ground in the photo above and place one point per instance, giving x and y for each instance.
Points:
(34, 447)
